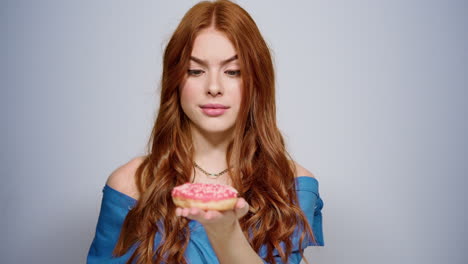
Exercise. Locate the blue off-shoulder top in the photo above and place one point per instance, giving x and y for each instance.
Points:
(115, 206)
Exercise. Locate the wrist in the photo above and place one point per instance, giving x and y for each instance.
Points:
(220, 232)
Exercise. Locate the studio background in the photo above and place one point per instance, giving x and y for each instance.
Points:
(371, 98)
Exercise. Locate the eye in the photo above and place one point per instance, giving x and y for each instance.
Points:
(233, 72)
(194, 72)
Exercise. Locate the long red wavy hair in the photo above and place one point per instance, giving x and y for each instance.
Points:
(262, 172)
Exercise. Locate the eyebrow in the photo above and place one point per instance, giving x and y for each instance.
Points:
(205, 63)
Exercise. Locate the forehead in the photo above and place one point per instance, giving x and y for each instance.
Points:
(213, 46)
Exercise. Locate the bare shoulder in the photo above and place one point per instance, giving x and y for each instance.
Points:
(301, 171)
(122, 179)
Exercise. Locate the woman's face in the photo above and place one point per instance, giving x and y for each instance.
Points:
(211, 93)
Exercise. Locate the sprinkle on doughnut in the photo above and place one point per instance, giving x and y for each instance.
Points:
(204, 191)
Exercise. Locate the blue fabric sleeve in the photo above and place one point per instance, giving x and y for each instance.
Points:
(114, 208)
(311, 204)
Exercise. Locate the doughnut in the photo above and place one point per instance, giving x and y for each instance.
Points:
(206, 196)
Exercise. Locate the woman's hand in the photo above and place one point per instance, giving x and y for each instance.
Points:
(218, 221)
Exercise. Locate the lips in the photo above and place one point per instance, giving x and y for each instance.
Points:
(214, 109)
(215, 106)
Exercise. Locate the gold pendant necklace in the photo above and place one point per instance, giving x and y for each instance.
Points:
(210, 175)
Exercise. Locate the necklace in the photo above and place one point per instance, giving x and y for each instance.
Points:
(211, 175)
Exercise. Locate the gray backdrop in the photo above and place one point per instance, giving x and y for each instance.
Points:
(371, 99)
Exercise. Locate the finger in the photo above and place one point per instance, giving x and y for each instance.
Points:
(240, 203)
(185, 211)
(209, 215)
(242, 207)
(213, 214)
(194, 211)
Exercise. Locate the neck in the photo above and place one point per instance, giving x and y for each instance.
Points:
(210, 151)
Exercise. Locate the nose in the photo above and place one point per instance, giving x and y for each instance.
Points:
(214, 85)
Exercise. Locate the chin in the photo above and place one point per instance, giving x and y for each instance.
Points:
(216, 129)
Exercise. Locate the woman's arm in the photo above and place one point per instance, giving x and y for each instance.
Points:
(231, 246)
(224, 232)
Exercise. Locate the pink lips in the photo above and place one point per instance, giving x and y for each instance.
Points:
(214, 109)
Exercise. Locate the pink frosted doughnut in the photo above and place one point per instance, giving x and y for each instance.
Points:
(207, 196)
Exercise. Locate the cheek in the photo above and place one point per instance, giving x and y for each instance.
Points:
(239, 91)
(188, 92)
(234, 87)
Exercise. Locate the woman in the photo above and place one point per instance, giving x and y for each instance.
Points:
(216, 124)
